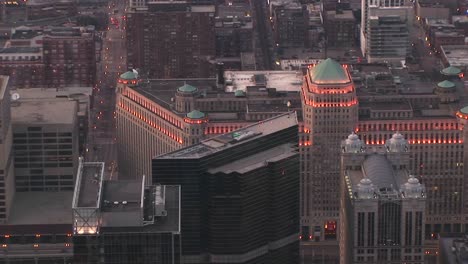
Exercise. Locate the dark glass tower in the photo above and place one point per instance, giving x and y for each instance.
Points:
(240, 194)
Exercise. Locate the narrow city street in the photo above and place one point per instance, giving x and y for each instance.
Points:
(102, 136)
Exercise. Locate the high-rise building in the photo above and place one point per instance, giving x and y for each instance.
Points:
(171, 39)
(289, 23)
(240, 199)
(69, 56)
(45, 140)
(383, 8)
(330, 111)
(341, 28)
(387, 39)
(7, 179)
(234, 30)
(124, 221)
(382, 205)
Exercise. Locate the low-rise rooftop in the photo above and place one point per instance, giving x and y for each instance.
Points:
(31, 112)
(455, 55)
(41, 208)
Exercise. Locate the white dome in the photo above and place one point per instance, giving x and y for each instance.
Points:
(397, 143)
(352, 144)
(413, 189)
(365, 189)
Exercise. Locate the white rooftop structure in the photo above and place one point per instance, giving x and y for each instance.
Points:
(281, 80)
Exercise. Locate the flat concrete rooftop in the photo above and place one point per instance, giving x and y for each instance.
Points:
(41, 208)
(52, 111)
(127, 194)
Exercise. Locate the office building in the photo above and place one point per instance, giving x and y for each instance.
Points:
(124, 221)
(240, 194)
(288, 22)
(45, 140)
(7, 178)
(171, 39)
(51, 57)
(340, 28)
(234, 30)
(330, 111)
(380, 8)
(24, 65)
(80, 95)
(69, 56)
(387, 39)
(382, 204)
(430, 9)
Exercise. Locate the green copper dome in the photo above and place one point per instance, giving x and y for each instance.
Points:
(187, 88)
(451, 71)
(464, 110)
(130, 75)
(195, 114)
(239, 93)
(329, 72)
(446, 84)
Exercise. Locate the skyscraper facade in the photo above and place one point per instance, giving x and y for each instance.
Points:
(330, 111)
(171, 39)
(370, 9)
(382, 212)
(240, 199)
(7, 179)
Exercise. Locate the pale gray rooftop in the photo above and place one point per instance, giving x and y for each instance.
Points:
(39, 208)
(44, 112)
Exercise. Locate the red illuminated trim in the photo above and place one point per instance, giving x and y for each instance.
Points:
(152, 124)
(195, 121)
(127, 81)
(419, 142)
(142, 101)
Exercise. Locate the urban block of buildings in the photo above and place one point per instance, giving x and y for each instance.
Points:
(372, 100)
(51, 57)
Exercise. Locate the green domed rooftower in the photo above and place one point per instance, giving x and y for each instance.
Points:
(451, 71)
(187, 88)
(329, 71)
(196, 117)
(129, 77)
